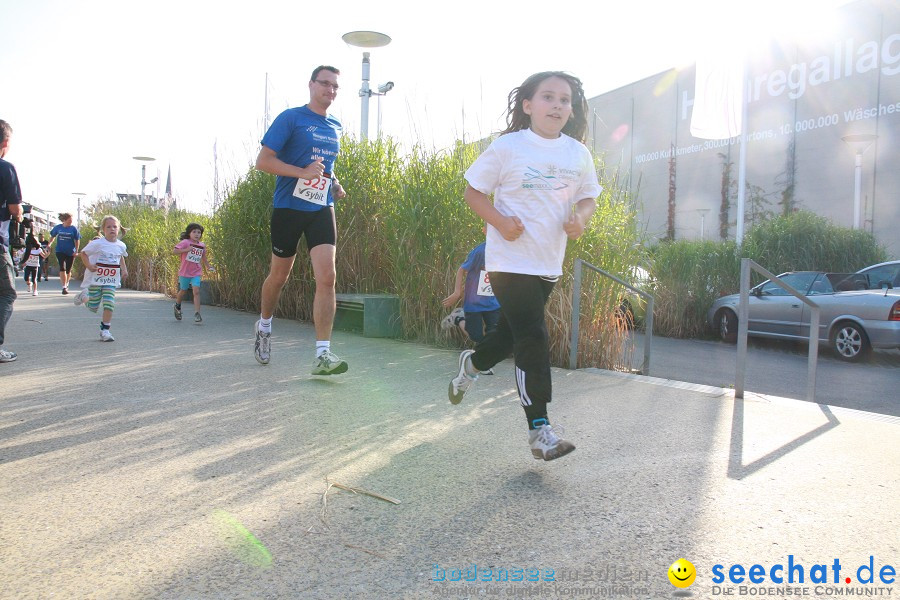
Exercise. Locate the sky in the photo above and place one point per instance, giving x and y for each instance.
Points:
(89, 85)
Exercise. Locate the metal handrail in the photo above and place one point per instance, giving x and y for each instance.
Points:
(576, 314)
(743, 326)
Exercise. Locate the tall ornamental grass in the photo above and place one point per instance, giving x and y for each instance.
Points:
(404, 229)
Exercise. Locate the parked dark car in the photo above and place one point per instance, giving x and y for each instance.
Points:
(852, 319)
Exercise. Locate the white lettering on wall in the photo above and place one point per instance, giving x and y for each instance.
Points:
(848, 60)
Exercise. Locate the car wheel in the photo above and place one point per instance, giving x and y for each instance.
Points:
(728, 325)
(850, 342)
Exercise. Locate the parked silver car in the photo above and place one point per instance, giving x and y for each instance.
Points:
(886, 273)
(851, 322)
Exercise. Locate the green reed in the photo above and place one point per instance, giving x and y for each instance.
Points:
(404, 229)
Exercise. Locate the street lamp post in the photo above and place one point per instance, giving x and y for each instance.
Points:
(366, 39)
(860, 143)
(78, 196)
(144, 182)
(702, 212)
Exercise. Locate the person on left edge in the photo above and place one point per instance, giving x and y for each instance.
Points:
(300, 149)
(67, 241)
(10, 210)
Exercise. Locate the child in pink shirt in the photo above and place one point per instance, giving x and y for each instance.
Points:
(193, 259)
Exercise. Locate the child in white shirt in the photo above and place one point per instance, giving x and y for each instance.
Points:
(544, 185)
(105, 268)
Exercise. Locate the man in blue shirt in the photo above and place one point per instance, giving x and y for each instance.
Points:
(10, 210)
(67, 240)
(300, 149)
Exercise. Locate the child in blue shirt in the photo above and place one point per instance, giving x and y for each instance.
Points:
(480, 311)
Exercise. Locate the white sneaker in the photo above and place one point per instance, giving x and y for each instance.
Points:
(7, 356)
(34, 293)
(460, 384)
(29, 286)
(262, 349)
(106, 336)
(81, 298)
(546, 444)
(449, 321)
(328, 363)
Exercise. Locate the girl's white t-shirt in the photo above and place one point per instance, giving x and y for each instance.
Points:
(539, 181)
(102, 251)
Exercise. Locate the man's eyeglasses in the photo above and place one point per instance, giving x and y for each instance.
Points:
(327, 84)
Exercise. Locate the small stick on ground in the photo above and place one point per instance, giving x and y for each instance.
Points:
(362, 491)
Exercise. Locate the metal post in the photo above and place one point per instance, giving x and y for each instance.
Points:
(857, 190)
(143, 181)
(743, 316)
(743, 325)
(813, 354)
(742, 163)
(576, 316)
(364, 93)
(648, 337)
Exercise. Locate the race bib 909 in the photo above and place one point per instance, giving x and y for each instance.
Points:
(106, 275)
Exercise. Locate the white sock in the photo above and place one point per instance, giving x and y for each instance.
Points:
(322, 347)
(471, 371)
(265, 325)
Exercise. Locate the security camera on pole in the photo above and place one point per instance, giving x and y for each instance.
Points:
(367, 39)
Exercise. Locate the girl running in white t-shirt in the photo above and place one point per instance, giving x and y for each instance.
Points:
(544, 185)
(33, 256)
(104, 264)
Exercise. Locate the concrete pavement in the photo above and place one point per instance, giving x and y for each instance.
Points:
(169, 464)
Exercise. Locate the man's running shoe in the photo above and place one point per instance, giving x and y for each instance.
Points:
(546, 444)
(329, 364)
(449, 322)
(460, 384)
(263, 343)
(65, 291)
(7, 356)
(81, 298)
(177, 312)
(106, 336)
(198, 318)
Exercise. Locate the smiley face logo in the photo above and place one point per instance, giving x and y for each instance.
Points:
(682, 573)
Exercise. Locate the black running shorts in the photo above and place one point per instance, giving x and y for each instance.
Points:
(65, 262)
(288, 225)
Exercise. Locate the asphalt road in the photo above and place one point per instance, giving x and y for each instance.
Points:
(779, 368)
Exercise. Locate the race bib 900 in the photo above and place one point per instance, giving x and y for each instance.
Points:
(313, 190)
